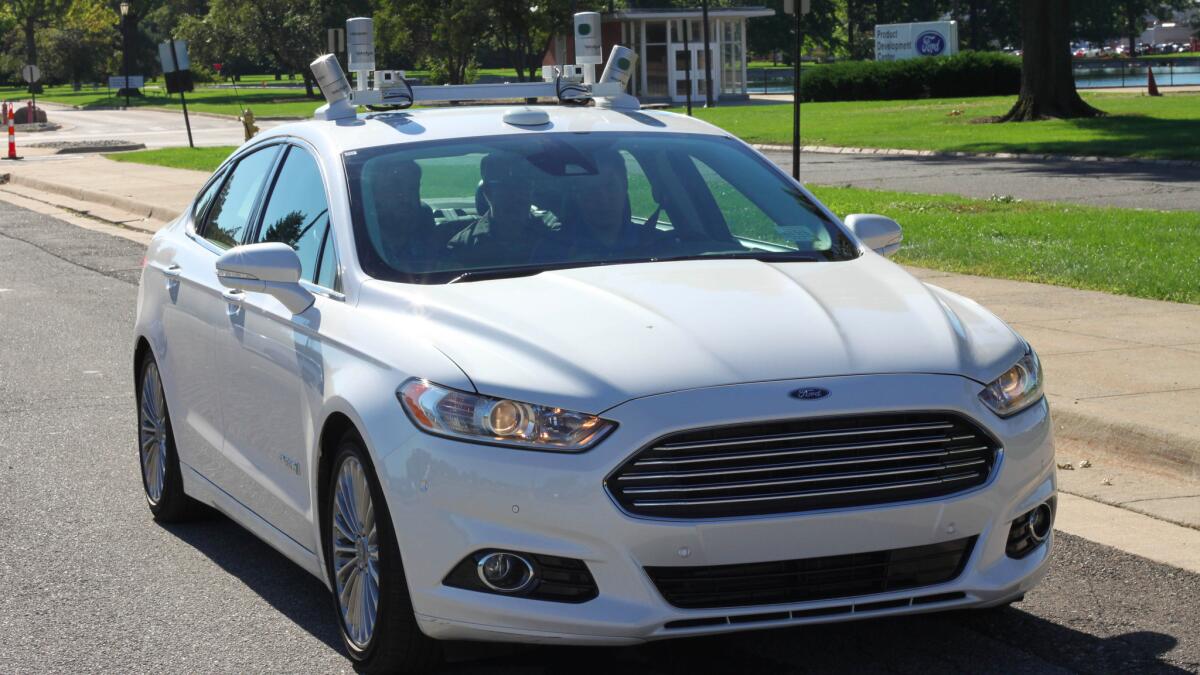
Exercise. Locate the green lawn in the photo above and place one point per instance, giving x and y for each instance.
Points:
(1147, 254)
(1137, 126)
(198, 159)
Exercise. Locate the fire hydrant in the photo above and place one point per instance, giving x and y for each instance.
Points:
(248, 126)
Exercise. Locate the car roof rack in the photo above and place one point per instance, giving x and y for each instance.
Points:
(573, 84)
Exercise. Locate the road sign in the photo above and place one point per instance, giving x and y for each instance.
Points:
(118, 81)
(173, 62)
(789, 6)
(895, 42)
(30, 73)
(337, 40)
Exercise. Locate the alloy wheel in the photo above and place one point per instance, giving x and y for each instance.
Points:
(355, 553)
(152, 434)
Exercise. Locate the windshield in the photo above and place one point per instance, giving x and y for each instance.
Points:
(499, 206)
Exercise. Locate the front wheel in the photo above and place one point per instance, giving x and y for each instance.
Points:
(370, 592)
(162, 481)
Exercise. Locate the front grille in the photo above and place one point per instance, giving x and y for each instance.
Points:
(786, 581)
(804, 465)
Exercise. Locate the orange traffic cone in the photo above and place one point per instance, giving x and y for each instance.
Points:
(1151, 85)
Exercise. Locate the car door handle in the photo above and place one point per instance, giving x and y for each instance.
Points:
(172, 272)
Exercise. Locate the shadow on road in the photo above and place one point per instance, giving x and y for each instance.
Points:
(1122, 170)
(1006, 640)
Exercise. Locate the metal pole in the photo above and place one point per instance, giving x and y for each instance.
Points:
(796, 100)
(125, 54)
(687, 48)
(708, 95)
(187, 122)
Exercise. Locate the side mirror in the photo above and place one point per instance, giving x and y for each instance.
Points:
(879, 233)
(272, 268)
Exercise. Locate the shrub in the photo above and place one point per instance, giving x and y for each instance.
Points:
(966, 74)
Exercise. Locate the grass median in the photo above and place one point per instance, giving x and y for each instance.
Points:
(1146, 254)
(1137, 126)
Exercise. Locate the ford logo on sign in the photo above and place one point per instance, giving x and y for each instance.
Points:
(930, 43)
(810, 393)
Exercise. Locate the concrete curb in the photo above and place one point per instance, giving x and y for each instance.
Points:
(898, 152)
(1139, 444)
(132, 206)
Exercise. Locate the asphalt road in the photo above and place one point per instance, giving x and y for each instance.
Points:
(1125, 184)
(155, 129)
(88, 582)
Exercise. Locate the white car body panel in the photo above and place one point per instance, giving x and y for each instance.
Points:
(591, 338)
(655, 347)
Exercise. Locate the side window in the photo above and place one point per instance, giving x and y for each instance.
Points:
(233, 205)
(297, 213)
(328, 274)
(206, 198)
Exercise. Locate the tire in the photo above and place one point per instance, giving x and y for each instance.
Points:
(390, 641)
(162, 481)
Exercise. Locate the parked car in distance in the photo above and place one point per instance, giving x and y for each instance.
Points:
(579, 376)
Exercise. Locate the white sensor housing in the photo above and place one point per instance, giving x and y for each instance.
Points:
(621, 61)
(360, 44)
(588, 44)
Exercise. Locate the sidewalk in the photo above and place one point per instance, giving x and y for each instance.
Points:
(1122, 374)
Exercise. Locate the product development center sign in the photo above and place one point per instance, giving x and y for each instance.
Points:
(897, 41)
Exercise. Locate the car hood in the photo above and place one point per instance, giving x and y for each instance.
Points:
(591, 338)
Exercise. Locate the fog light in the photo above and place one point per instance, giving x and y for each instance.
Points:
(1030, 530)
(505, 572)
(1039, 523)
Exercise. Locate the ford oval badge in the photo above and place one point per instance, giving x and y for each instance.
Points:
(810, 393)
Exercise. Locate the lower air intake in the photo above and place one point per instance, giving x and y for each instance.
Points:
(788, 581)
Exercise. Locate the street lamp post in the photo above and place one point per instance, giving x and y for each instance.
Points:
(125, 48)
(708, 94)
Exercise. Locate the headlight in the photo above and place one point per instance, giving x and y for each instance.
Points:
(459, 414)
(1017, 389)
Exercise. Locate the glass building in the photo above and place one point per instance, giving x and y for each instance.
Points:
(663, 39)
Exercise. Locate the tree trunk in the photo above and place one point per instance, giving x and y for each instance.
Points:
(308, 85)
(1047, 80)
(973, 10)
(850, 18)
(30, 43)
(1131, 22)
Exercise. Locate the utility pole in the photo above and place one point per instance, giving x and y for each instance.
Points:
(125, 48)
(687, 48)
(708, 95)
(797, 12)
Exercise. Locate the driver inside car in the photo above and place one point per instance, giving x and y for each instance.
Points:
(506, 233)
(600, 225)
(406, 224)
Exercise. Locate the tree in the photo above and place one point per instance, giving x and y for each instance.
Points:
(1047, 78)
(31, 15)
(523, 30)
(80, 43)
(446, 32)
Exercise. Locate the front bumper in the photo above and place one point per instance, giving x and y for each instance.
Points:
(449, 499)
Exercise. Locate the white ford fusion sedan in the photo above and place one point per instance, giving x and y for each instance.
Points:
(577, 375)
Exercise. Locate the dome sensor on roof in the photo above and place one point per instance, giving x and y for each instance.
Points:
(526, 117)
